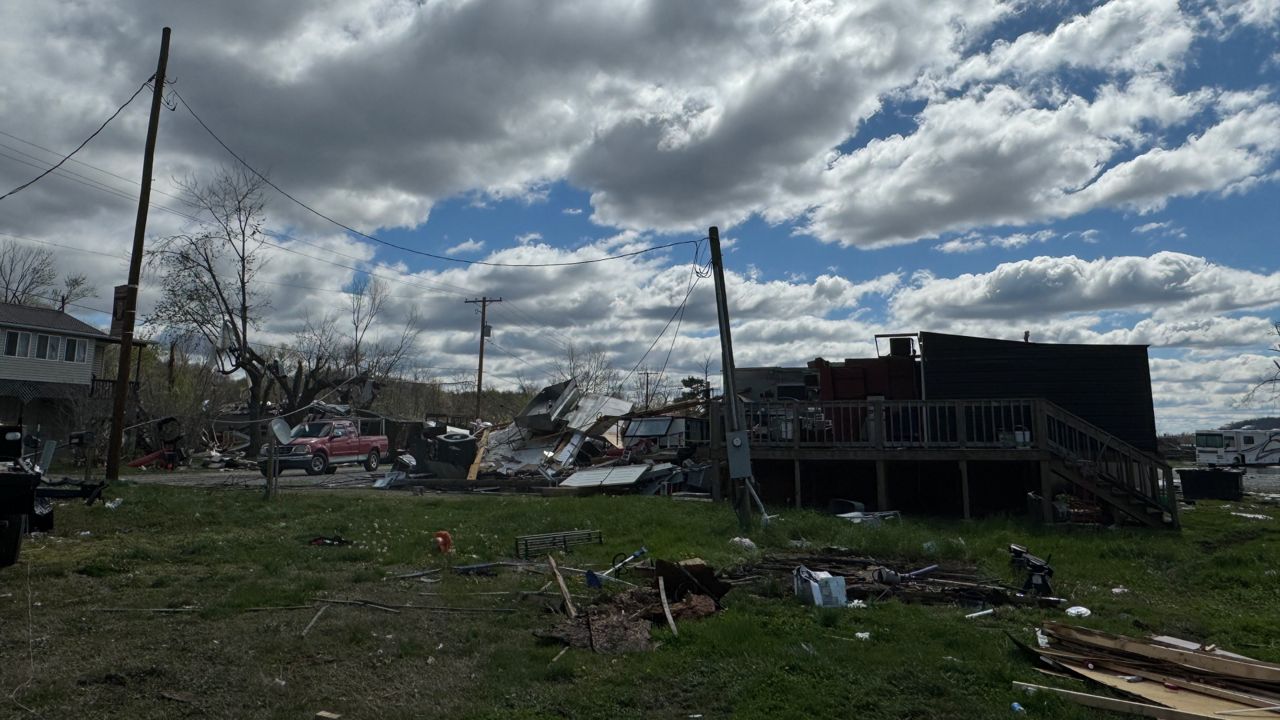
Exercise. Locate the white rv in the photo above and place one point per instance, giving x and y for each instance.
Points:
(1238, 447)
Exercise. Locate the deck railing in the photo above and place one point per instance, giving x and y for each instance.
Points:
(893, 423)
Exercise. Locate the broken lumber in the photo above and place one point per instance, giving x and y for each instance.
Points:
(319, 612)
(666, 607)
(564, 589)
(1113, 704)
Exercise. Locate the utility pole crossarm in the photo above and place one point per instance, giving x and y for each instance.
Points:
(484, 333)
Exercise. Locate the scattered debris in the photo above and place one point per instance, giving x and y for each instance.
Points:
(744, 544)
(980, 613)
(873, 518)
(443, 541)
(113, 504)
(1038, 571)
(1179, 674)
(335, 540)
(621, 622)
(319, 612)
(1252, 516)
(862, 635)
(1078, 611)
(326, 715)
(1121, 590)
(564, 589)
(869, 579)
(819, 588)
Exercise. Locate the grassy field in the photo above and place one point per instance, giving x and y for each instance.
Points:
(221, 553)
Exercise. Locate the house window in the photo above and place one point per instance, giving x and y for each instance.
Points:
(42, 347)
(81, 350)
(24, 344)
(69, 350)
(55, 347)
(11, 343)
(1248, 440)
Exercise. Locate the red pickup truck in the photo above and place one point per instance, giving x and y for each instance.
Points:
(321, 446)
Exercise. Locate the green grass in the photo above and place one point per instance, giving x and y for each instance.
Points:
(222, 552)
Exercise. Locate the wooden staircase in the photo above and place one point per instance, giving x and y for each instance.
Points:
(1132, 482)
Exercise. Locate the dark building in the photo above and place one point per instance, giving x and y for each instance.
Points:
(1108, 385)
(903, 429)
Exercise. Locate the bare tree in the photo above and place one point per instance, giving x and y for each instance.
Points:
(591, 367)
(75, 288)
(1269, 386)
(27, 274)
(207, 277)
(376, 359)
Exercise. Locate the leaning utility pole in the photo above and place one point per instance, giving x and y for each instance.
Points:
(737, 439)
(484, 333)
(135, 268)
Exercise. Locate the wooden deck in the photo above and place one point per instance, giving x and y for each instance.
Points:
(1097, 464)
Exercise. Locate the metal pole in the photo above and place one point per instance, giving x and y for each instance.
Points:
(135, 268)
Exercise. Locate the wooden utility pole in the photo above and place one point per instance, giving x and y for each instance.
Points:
(484, 333)
(648, 391)
(738, 440)
(135, 268)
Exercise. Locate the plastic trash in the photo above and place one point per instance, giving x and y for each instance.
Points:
(1017, 708)
(1078, 611)
(113, 504)
(857, 604)
(744, 543)
(444, 541)
(862, 635)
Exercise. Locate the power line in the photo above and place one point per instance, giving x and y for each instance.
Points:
(78, 161)
(101, 127)
(403, 248)
(19, 238)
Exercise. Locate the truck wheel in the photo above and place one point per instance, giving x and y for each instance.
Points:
(371, 462)
(11, 538)
(318, 464)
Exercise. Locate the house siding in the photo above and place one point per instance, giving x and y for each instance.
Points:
(33, 369)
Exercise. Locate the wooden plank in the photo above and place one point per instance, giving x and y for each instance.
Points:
(1113, 704)
(1263, 672)
(564, 589)
(474, 471)
(319, 612)
(1188, 700)
(666, 607)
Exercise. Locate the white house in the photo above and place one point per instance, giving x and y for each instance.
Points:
(49, 360)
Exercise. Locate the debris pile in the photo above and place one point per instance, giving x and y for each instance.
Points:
(621, 623)
(871, 579)
(1167, 671)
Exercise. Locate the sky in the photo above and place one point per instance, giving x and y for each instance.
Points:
(1088, 172)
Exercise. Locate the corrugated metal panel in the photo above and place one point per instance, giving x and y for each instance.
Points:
(1108, 385)
(609, 476)
(592, 407)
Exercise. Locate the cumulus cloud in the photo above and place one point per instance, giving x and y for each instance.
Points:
(1165, 283)
(528, 237)
(470, 245)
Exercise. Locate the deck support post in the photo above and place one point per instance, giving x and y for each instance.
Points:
(797, 468)
(964, 488)
(1046, 492)
(882, 486)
